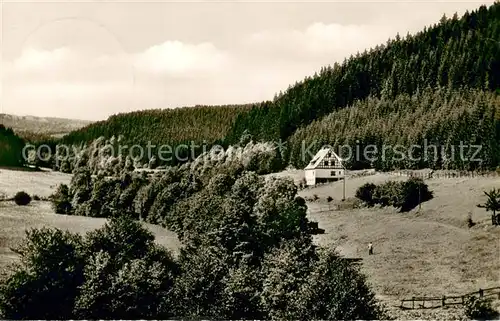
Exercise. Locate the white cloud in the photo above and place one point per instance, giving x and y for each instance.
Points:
(319, 40)
(41, 60)
(175, 57)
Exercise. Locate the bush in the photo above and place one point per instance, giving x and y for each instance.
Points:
(414, 192)
(365, 193)
(22, 198)
(44, 285)
(36, 198)
(61, 200)
(403, 195)
(479, 309)
(116, 272)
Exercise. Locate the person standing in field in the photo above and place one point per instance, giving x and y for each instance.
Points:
(370, 248)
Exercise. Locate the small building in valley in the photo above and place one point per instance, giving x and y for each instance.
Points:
(325, 166)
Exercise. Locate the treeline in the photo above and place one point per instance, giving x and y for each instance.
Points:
(455, 53)
(438, 122)
(11, 148)
(106, 187)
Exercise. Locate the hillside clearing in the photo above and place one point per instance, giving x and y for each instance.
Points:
(426, 252)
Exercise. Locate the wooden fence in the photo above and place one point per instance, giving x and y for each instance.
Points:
(444, 174)
(438, 302)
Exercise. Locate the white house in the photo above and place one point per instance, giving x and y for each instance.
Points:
(325, 166)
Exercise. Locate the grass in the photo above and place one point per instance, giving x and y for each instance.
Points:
(426, 252)
(41, 183)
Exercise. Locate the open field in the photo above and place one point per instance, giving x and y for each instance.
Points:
(41, 183)
(15, 220)
(426, 252)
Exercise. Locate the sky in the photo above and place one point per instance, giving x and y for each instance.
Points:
(89, 60)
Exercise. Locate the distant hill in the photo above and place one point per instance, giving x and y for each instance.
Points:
(32, 126)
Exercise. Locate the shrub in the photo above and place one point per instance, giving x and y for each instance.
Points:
(44, 285)
(61, 200)
(116, 272)
(404, 195)
(414, 192)
(479, 309)
(36, 198)
(22, 198)
(365, 193)
(329, 199)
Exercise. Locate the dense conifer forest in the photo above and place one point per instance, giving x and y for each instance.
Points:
(454, 53)
(200, 124)
(447, 76)
(438, 121)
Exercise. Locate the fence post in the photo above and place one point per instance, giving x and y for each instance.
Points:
(463, 301)
(413, 302)
(443, 301)
(480, 293)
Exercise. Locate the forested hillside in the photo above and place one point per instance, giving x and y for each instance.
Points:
(441, 62)
(11, 147)
(163, 126)
(456, 52)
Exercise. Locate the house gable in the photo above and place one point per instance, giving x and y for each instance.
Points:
(325, 158)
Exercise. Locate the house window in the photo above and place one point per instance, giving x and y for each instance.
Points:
(332, 173)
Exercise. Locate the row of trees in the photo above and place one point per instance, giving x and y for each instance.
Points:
(102, 157)
(115, 188)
